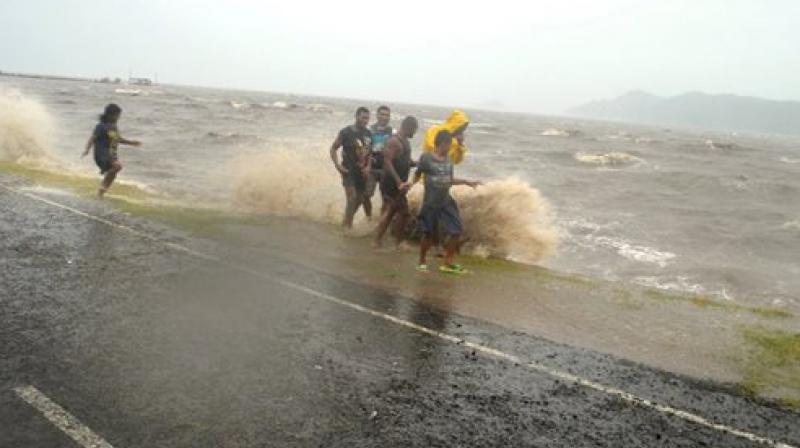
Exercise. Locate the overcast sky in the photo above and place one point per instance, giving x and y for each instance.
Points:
(544, 57)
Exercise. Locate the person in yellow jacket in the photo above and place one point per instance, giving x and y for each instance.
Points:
(456, 124)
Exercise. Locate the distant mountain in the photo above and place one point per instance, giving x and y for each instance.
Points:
(726, 112)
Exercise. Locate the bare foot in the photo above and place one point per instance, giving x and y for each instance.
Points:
(100, 192)
(376, 244)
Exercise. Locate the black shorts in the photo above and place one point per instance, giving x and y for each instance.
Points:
(447, 216)
(395, 199)
(355, 178)
(104, 163)
(389, 188)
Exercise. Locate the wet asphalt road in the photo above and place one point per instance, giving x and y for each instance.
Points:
(153, 347)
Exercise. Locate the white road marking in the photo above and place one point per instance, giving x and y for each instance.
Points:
(488, 351)
(62, 419)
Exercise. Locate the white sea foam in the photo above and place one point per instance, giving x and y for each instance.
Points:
(635, 252)
(552, 132)
(611, 158)
(791, 225)
(679, 283)
(131, 92)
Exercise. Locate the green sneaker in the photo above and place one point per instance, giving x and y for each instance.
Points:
(452, 269)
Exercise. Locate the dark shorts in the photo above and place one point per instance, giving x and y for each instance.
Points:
(389, 188)
(394, 198)
(104, 163)
(355, 179)
(447, 216)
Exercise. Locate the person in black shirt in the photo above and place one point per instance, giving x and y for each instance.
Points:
(397, 165)
(356, 144)
(105, 139)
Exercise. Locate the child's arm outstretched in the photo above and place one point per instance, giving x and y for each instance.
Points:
(89, 145)
(125, 141)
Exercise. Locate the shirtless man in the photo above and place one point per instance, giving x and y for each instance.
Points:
(397, 163)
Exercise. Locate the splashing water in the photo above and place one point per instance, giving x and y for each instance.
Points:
(504, 218)
(25, 129)
(285, 183)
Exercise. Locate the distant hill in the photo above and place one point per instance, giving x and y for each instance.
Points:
(492, 105)
(725, 112)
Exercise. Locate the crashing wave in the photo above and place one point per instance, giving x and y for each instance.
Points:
(504, 218)
(25, 128)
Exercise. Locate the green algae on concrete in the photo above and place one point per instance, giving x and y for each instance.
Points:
(127, 198)
(195, 220)
(82, 185)
(625, 299)
(773, 364)
(703, 301)
(501, 265)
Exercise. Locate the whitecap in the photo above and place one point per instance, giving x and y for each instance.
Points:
(611, 158)
(680, 283)
(644, 254)
(552, 132)
(791, 225)
(131, 92)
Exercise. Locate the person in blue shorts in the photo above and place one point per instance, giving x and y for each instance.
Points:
(439, 209)
(105, 139)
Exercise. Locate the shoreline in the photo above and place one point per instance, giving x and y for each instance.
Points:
(47, 77)
(691, 335)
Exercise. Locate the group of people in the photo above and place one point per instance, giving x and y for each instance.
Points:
(375, 156)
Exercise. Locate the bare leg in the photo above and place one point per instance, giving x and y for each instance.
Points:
(368, 207)
(423, 248)
(351, 206)
(111, 174)
(369, 191)
(436, 238)
(386, 219)
(383, 204)
(400, 226)
(451, 247)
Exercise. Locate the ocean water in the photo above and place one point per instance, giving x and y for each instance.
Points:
(679, 209)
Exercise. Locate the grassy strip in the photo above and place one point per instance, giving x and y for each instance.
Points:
(774, 364)
(127, 198)
(708, 302)
(84, 186)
